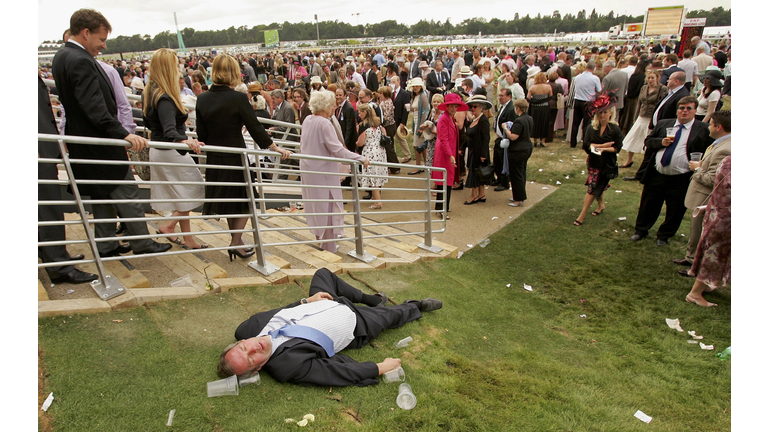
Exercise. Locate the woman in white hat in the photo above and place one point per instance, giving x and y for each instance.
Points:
(420, 109)
(315, 83)
(428, 129)
(446, 148)
(478, 136)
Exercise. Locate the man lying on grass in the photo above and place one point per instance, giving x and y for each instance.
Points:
(298, 343)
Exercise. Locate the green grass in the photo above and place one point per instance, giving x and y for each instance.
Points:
(493, 359)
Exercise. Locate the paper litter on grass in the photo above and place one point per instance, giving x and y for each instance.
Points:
(622, 218)
(567, 177)
(558, 182)
(302, 423)
(643, 416)
(618, 191)
(541, 169)
(527, 287)
(509, 285)
(560, 159)
(47, 402)
(691, 341)
(545, 188)
(494, 218)
(706, 347)
(674, 324)
(583, 316)
(170, 417)
(693, 335)
(469, 245)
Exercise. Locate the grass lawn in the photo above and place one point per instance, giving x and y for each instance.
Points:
(495, 358)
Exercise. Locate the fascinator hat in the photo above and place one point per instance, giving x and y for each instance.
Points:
(603, 100)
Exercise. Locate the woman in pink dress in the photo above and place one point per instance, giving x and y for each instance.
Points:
(446, 147)
(712, 265)
(319, 138)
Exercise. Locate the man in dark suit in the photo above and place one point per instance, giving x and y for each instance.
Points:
(282, 111)
(400, 98)
(46, 124)
(670, 63)
(335, 323)
(372, 77)
(664, 47)
(665, 109)
(666, 179)
(506, 113)
(522, 76)
(437, 80)
(89, 100)
(345, 114)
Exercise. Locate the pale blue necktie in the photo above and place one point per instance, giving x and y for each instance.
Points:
(308, 333)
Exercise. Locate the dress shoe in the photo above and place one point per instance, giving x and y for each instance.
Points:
(369, 196)
(346, 182)
(636, 237)
(395, 171)
(660, 242)
(515, 204)
(682, 262)
(75, 277)
(500, 188)
(428, 304)
(633, 178)
(684, 273)
(155, 248)
(234, 253)
(76, 257)
(122, 249)
(384, 299)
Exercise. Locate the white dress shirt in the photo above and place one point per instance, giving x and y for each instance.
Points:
(679, 162)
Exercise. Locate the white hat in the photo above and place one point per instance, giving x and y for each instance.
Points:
(532, 71)
(465, 71)
(423, 64)
(315, 80)
(415, 82)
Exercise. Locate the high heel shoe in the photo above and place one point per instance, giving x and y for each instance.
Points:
(233, 252)
(626, 165)
(483, 199)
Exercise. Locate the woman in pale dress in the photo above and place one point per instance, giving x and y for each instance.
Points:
(420, 110)
(560, 119)
(319, 138)
(370, 139)
(164, 116)
(429, 127)
(650, 94)
(488, 76)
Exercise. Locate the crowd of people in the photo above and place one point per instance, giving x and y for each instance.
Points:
(358, 105)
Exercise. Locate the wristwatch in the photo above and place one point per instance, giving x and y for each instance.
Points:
(304, 301)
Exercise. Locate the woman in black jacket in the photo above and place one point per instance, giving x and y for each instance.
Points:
(478, 136)
(518, 152)
(602, 141)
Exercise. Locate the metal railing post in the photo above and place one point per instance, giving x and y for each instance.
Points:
(261, 265)
(427, 245)
(106, 287)
(359, 251)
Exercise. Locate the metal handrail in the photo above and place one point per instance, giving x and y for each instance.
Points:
(107, 287)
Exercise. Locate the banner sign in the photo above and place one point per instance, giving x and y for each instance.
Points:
(271, 39)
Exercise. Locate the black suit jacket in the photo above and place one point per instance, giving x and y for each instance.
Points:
(502, 117)
(401, 114)
(522, 78)
(658, 48)
(698, 141)
(89, 100)
(303, 362)
(669, 109)
(46, 123)
(347, 121)
(666, 73)
(432, 83)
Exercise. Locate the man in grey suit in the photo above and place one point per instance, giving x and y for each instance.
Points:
(703, 181)
(282, 111)
(615, 80)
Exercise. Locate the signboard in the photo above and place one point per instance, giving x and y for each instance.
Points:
(635, 28)
(695, 22)
(663, 20)
(271, 39)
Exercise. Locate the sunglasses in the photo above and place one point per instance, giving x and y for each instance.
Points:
(686, 108)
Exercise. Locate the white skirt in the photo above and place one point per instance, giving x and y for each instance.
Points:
(635, 140)
(173, 175)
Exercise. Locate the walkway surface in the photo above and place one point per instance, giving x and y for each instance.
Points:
(152, 279)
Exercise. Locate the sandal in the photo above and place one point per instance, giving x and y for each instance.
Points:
(375, 207)
(202, 246)
(577, 223)
(597, 213)
(172, 240)
(691, 300)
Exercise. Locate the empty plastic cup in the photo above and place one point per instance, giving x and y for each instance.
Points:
(224, 387)
(696, 156)
(394, 375)
(405, 398)
(255, 379)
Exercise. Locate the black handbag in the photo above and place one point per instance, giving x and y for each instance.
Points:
(484, 173)
(385, 141)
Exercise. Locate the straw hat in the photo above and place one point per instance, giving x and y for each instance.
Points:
(427, 132)
(465, 71)
(254, 87)
(401, 133)
(349, 59)
(315, 80)
(415, 82)
(479, 100)
(453, 99)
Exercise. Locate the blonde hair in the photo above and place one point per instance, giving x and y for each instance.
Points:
(163, 79)
(371, 119)
(596, 122)
(540, 78)
(225, 71)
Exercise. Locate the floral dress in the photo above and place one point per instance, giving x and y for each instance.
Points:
(375, 153)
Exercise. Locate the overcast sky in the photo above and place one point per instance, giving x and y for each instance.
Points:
(152, 17)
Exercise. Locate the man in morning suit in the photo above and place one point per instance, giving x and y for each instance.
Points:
(703, 180)
(665, 109)
(299, 343)
(346, 116)
(437, 80)
(89, 100)
(506, 113)
(668, 174)
(372, 77)
(46, 124)
(664, 47)
(401, 98)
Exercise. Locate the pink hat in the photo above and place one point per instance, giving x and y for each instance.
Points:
(453, 99)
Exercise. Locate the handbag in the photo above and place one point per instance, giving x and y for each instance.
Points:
(484, 173)
(385, 141)
(611, 171)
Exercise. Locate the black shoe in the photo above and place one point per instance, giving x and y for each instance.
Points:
(500, 188)
(633, 178)
(394, 171)
(120, 250)
(636, 237)
(76, 257)
(683, 273)
(369, 196)
(428, 304)
(346, 182)
(75, 277)
(233, 253)
(384, 299)
(682, 262)
(155, 248)
(660, 242)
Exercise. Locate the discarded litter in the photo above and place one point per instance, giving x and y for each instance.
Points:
(47, 402)
(541, 169)
(184, 281)
(509, 285)
(682, 235)
(309, 417)
(724, 355)
(691, 341)
(693, 335)
(469, 245)
(573, 157)
(170, 417)
(404, 342)
(302, 423)
(532, 182)
(558, 182)
(618, 191)
(494, 218)
(255, 379)
(545, 188)
(460, 254)
(706, 347)
(560, 159)
(290, 421)
(582, 173)
(567, 177)
(643, 416)
(70, 291)
(622, 218)
(674, 324)
(583, 316)
(117, 321)
(527, 287)
(485, 243)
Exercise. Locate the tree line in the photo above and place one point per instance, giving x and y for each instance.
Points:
(568, 23)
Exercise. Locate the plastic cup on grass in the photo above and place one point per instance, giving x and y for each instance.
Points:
(224, 387)
(394, 375)
(405, 398)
